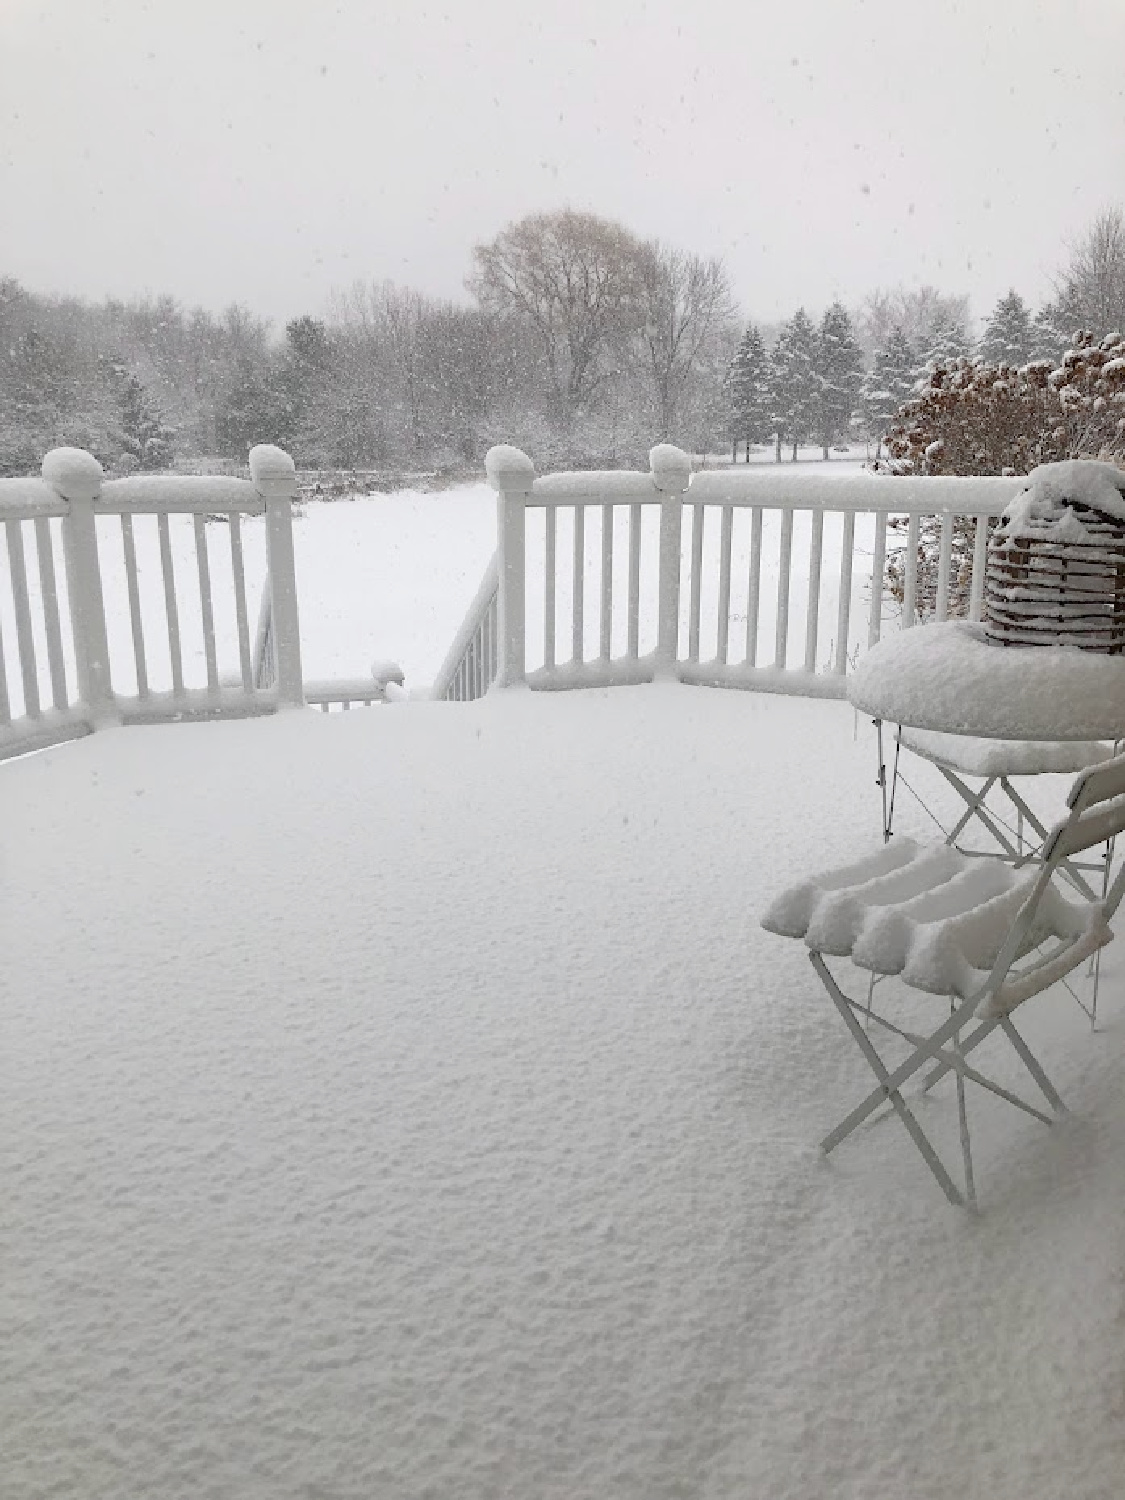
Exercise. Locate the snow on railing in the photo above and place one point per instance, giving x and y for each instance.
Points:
(101, 671)
(765, 580)
(67, 666)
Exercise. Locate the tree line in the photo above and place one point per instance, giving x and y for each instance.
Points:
(582, 343)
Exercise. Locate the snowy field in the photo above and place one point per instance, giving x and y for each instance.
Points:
(407, 1104)
(392, 576)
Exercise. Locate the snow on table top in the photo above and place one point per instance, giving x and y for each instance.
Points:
(406, 1103)
(948, 678)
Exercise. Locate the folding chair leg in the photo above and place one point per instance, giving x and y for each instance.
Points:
(889, 1089)
(963, 1121)
(924, 1053)
(1032, 1066)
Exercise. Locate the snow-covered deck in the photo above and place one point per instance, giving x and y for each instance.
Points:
(408, 1103)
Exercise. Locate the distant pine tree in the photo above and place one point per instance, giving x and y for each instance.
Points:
(840, 375)
(794, 383)
(1007, 337)
(748, 392)
(947, 344)
(146, 438)
(889, 385)
(1049, 337)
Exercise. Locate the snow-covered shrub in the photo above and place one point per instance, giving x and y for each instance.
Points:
(978, 418)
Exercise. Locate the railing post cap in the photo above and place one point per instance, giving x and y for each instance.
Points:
(671, 467)
(508, 468)
(383, 672)
(76, 474)
(267, 461)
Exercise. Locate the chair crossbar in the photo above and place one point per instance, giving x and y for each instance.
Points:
(950, 1061)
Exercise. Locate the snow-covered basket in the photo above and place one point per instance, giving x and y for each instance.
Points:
(1056, 563)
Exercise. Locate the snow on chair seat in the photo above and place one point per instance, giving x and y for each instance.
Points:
(977, 757)
(931, 915)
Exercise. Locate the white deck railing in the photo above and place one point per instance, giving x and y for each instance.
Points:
(769, 580)
(66, 669)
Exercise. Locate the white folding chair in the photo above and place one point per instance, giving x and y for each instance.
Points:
(985, 933)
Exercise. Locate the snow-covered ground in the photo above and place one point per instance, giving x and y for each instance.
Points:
(408, 1104)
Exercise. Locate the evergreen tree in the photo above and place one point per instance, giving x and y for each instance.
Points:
(146, 440)
(840, 375)
(748, 392)
(794, 384)
(1049, 339)
(889, 385)
(304, 380)
(1007, 338)
(947, 344)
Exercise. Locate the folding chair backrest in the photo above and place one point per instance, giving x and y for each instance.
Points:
(1098, 784)
(1097, 803)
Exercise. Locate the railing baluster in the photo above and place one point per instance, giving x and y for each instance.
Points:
(606, 622)
(724, 584)
(945, 553)
(812, 618)
(980, 562)
(844, 603)
(784, 567)
(910, 577)
(170, 608)
(136, 623)
(5, 704)
(878, 569)
(25, 639)
(241, 615)
(578, 586)
(549, 567)
(634, 646)
(48, 588)
(696, 603)
(754, 586)
(203, 566)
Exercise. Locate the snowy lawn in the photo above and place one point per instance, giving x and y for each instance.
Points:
(406, 1103)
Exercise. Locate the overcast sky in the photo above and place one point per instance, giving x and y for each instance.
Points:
(266, 151)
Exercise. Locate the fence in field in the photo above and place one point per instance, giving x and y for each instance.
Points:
(766, 580)
(66, 669)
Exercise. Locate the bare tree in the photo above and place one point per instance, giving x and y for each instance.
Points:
(574, 279)
(1090, 291)
(922, 314)
(688, 328)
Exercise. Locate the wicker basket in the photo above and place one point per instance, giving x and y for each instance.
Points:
(1056, 565)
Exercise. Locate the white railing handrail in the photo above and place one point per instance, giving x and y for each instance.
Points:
(906, 494)
(469, 630)
(179, 494)
(24, 499)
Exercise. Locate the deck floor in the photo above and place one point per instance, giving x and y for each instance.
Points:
(406, 1103)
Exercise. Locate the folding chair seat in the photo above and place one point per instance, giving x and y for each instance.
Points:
(985, 933)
